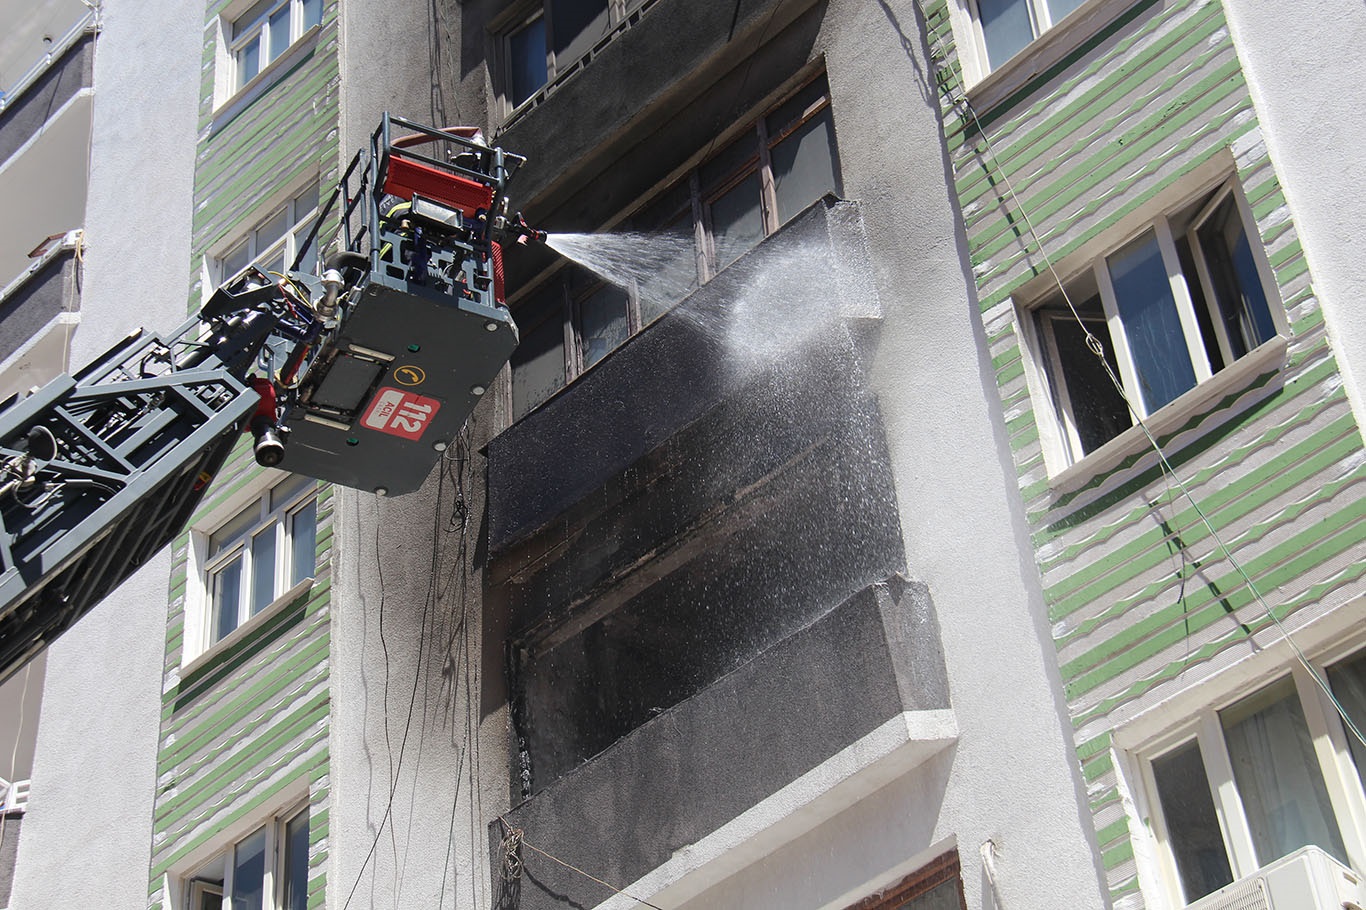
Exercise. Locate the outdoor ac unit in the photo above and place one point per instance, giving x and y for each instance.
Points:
(1307, 879)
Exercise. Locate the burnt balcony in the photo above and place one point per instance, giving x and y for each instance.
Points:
(617, 125)
(696, 564)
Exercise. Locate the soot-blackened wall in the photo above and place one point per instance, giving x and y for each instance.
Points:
(685, 549)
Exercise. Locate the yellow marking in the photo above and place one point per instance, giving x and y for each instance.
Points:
(410, 376)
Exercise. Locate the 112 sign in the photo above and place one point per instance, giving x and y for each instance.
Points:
(400, 413)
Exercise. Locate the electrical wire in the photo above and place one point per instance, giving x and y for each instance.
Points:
(519, 837)
(14, 757)
(988, 851)
(395, 768)
(1097, 347)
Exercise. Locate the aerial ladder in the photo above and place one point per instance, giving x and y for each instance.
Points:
(361, 375)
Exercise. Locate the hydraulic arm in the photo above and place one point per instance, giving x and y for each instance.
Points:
(359, 372)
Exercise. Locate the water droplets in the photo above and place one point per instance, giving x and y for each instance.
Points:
(769, 305)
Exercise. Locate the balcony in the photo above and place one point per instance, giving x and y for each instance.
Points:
(45, 141)
(696, 557)
(623, 116)
(38, 312)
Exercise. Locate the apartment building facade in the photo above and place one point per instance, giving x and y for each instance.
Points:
(795, 568)
(1184, 427)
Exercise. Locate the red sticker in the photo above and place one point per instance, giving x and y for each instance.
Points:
(400, 413)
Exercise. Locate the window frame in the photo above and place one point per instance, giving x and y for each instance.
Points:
(207, 566)
(522, 16)
(939, 871)
(987, 85)
(298, 225)
(1060, 436)
(275, 874)
(231, 93)
(695, 206)
(257, 30)
(1341, 777)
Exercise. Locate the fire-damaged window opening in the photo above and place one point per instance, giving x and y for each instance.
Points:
(544, 40)
(780, 164)
(938, 885)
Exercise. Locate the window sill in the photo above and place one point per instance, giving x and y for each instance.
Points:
(262, 81)
(1268, 356)
(1043, 53)
(225, 644)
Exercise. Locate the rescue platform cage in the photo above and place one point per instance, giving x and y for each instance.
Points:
(420, 331)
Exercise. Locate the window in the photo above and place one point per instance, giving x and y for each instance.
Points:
(266, 870)
(937, 886)
(265, 31)
(1252, 781)
(771, 172)
(550, 37)
(275, 240)
(259, 554)
(1006, 27)
(1171, 307)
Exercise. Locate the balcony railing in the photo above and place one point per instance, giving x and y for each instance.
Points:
(53, 53)
(15, 795)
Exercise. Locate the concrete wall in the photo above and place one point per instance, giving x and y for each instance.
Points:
(408, 739)
(1142, 109)
(88, 832)
(1314, 132)
(1010, 778)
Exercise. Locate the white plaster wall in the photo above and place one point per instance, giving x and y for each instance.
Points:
(1307, 72)
(87, 836)
(1013, 777)
(430, 841)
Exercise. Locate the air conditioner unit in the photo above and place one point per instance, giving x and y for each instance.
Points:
(1307, 879)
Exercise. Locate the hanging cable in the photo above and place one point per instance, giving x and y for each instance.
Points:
(518, 837)
(8, 802)
(1098, 349)
(988, 851)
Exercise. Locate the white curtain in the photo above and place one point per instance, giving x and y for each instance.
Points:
(1278, 775)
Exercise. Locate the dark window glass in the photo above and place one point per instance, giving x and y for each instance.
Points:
(227, 598)
(538, 363)
(804, 165)
(1157, 343)
(1233, 273)
(1099, 412)
(737, 221)
(1348, 682)
(250, 62)
(741, 155)
(303, 542)
(249, 873)
(1192, 825)
(279, 31)
(1006, 28)
(577, 25)
(1058, 9)
(603, 322)
(296, 862)
(527, 66)
(263, 569)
